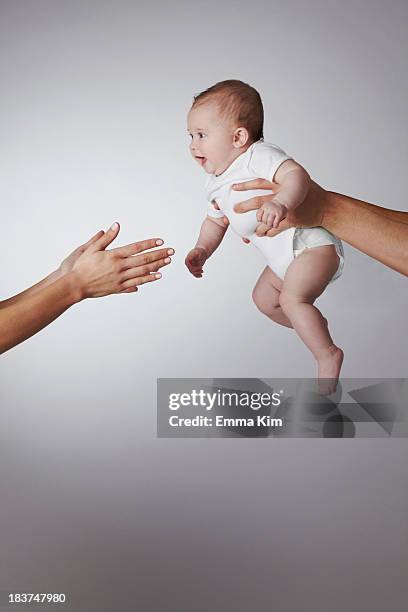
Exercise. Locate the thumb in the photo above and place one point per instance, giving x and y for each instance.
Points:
(94, 238)
(105, 240)
(283, 225)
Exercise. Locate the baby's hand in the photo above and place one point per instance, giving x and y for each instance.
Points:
(271, 213)
(195, 260)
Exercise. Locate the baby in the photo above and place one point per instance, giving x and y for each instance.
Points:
(225, 124)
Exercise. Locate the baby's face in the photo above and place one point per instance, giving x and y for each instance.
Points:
(211, 138)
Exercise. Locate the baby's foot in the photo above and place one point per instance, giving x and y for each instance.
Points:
(329, 365)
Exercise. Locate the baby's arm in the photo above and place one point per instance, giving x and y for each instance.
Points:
(295, 183)
(211, 234)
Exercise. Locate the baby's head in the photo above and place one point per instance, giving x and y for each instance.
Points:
(224, 120)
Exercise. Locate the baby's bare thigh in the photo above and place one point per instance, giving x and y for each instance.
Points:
(309, 274)
(270, 278)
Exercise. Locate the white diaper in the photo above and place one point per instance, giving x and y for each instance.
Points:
(311, 237)
(280, 250)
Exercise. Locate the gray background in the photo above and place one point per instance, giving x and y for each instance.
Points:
(93, 103)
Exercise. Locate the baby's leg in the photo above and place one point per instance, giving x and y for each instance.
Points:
(305, 279)
(266, 297)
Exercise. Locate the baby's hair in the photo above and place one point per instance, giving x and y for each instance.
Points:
(239, 101)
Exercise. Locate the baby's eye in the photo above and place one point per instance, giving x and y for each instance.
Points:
(200, 135)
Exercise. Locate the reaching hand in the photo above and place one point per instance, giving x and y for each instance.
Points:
(68, 263)
(195, 260)
(98, 272)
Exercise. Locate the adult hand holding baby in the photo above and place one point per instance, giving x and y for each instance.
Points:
(379, 232)
(308, 214)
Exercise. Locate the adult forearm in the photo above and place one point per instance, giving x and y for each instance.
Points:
(31, 290)
(211, 235)
(365, 226)
(395, 215)
(25, 317)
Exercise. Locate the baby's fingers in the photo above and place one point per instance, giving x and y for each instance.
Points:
(191, 262)
(276, 220)
(269, 219)
(279, 217)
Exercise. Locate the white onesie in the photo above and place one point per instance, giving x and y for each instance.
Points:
(261, 160)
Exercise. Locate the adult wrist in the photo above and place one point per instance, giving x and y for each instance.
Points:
(74, 287)
(330, 205)
(55, 275)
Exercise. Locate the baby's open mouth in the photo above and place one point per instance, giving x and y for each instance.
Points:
(201, 160)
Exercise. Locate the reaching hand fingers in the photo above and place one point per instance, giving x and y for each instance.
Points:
(255, 184)
(135, 261)
(146, 269)
(130, 290)
(94, 238)
(138, 247)
(105, 239)
(140, 280)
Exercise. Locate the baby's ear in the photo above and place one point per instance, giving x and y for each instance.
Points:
(241, 136)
